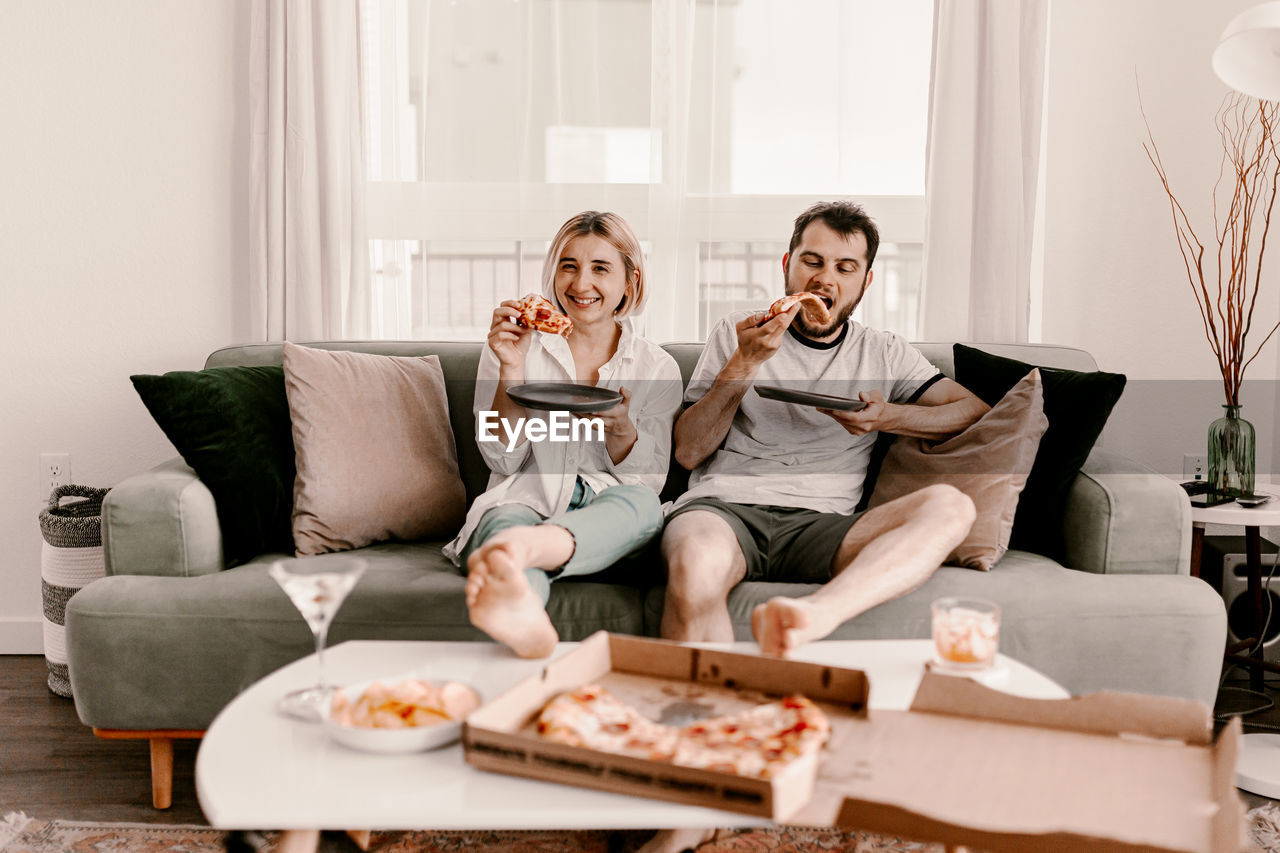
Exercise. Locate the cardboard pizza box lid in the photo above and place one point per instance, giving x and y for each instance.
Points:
(970, 765)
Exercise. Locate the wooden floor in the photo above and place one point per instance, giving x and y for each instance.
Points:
(52, 766)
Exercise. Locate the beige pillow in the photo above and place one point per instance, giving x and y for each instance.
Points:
(374, 450)
(989, 462)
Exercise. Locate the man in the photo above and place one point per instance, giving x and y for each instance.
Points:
(775, 485)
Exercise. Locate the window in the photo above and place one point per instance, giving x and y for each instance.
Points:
(709, 126)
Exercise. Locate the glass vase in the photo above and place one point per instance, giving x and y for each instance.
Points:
(1231, 441)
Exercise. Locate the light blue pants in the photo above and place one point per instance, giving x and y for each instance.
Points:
(605, 528)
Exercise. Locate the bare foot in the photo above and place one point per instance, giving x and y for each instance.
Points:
(500, 601)
(781, 625)
(677, 840)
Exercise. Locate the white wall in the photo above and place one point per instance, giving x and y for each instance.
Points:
(1114, 280)
(123, 175)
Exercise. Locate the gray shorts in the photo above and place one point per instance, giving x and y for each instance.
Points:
(781, 544)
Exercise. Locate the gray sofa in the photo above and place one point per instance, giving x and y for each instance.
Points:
(163, 642)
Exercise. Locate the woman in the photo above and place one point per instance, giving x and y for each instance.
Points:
(556, 509)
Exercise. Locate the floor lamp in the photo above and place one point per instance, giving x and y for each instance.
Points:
(1247, 59)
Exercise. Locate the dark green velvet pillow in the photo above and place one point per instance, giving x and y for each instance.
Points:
(1077, 405)
(231, 425)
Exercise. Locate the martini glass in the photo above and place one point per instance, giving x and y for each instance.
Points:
(317, 586)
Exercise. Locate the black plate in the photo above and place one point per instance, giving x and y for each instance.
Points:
(807, 398)
(564, 397)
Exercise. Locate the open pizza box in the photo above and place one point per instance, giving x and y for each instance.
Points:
(964, 765)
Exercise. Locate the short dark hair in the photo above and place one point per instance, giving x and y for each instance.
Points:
(843, 217)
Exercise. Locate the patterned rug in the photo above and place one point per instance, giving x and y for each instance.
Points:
(21, 834)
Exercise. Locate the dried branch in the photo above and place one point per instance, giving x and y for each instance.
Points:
(1249, 176)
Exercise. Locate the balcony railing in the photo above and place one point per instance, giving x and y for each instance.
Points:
(426, 292)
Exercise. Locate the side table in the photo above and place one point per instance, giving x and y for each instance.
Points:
(1258, 764)
(1252, 520)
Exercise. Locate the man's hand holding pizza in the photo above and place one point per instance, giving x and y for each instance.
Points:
(758, 340)
(701, 427)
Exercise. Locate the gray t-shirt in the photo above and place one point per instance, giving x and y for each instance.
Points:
(783, 454)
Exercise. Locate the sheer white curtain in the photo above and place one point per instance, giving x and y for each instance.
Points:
(982, 167)
(308, 243)
(491, 122)
(707, 124)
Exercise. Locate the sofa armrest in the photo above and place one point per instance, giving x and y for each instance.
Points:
(1123, 518)
(161, 522)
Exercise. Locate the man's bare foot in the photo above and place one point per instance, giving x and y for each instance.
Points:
(677, 840)
(781, 625)
(500, 601)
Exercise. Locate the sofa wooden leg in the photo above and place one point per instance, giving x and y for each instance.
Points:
(360, 837)
(161, 772)
(161, 741)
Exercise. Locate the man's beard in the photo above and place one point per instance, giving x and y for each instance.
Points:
(837, 320)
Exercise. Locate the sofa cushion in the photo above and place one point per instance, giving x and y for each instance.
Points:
(1054, 619)
(231, 425)
(989, 462)
(1077, 405)
(374, 448)
(204, 639)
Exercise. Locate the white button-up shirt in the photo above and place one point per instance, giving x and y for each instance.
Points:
(542, 474)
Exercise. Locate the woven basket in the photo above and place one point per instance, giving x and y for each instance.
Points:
(70, 558)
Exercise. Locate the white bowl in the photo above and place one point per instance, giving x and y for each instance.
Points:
(408, 739)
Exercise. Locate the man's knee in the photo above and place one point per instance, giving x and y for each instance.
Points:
(700, 566)
(944, 504)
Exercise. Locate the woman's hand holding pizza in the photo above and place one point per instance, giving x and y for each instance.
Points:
(509, 341)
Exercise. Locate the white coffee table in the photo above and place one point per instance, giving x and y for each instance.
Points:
(259, 770)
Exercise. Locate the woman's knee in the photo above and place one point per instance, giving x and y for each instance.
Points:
(495, 520)
(642, 501)
(506, 515)
(641, 497)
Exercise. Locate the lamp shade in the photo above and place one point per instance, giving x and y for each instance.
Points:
(1248, 56)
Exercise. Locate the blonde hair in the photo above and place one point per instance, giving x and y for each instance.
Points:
(612, 228)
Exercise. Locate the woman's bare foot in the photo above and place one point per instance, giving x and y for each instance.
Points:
(500, 601)
(781, 625)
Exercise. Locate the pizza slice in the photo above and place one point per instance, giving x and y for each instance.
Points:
(592, 717)
(812, 306)
(760, 740)
(757, 742)
(538, 313)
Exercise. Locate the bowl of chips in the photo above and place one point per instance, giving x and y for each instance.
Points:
(405, 715)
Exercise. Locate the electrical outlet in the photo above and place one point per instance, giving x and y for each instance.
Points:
(55, 470)
(1195, 466)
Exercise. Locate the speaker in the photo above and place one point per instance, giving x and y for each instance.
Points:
(1225, 557)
